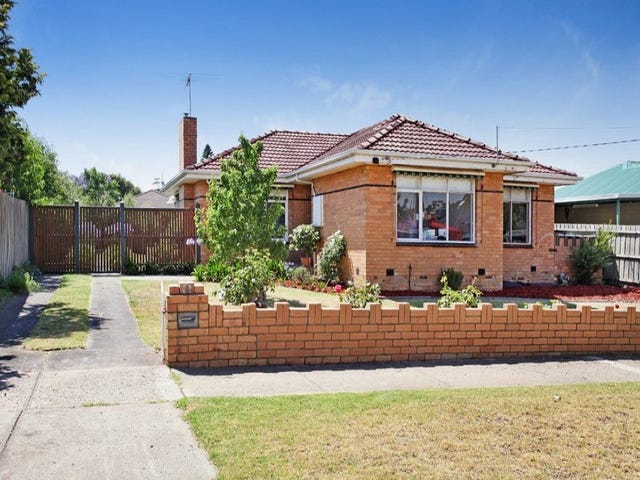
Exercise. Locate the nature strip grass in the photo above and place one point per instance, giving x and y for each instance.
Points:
(145, 301)
(583, 431)
(64, 323)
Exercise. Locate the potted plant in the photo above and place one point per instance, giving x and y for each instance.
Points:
(305, 239)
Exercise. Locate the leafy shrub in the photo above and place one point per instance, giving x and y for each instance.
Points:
(249, 282)
(592, 255)
(469, 295)
(277, 267)
(131, 267)
(212, 271)
(185, 268)
(21, 279)
(454, 277)
(150, 268)
(302, 275)
(304, 238)
(334, 249)
(168, 269)
(359, 297)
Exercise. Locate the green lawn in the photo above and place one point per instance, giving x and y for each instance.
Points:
(145, 300)
(64, 324)
(584, 431)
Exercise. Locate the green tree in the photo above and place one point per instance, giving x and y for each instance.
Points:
(106, 190)
(207, 152)
(239, 216)
(19, 80)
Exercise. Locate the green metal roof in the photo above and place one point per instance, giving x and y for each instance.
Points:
(619, 182)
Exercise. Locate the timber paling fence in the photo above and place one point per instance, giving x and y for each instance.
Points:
(78, 239)
(14, 233)
(626, 248)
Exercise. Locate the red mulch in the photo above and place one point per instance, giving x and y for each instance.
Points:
(568, 293)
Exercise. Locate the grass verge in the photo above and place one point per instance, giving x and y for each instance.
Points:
(146, 303)
(585, 431)
(64, 323)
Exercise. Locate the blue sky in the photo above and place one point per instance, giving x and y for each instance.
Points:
(549, 73)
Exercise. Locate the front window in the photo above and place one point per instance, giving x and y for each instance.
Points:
(280, 198)
(517, 215)
(435, 209)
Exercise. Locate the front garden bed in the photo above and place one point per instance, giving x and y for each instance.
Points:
(607, 293)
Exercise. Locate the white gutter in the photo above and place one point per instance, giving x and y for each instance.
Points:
(350, 157)
(544, 178)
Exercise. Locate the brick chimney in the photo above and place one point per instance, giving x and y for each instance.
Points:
(188, 141)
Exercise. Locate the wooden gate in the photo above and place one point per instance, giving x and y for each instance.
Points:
(102, 239)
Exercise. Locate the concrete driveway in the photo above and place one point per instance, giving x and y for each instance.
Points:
(104, 412)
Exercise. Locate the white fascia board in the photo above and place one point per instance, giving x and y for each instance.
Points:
(449, 162)
(186, 176)
(340, 161)
(192, 176)
(543, 178)
(348, 158)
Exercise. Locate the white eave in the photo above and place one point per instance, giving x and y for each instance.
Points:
(348, 158)
(543, 178)
(187, 176)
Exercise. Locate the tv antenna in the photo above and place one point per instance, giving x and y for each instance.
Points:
(189, 89)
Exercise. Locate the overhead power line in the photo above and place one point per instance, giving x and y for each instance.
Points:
(586, 145)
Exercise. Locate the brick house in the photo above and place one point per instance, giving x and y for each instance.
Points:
(410, 198)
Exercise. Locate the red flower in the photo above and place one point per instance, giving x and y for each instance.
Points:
(337, 288)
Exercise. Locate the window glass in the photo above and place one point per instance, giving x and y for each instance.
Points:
(460, 185)
(441, 211)
(434, 222)
(411, 182)
(517, 210)
(460, 215)
(434, 184)
(408, 215)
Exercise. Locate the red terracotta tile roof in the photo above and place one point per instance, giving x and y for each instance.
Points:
(401, 134)
(545, 169)
(287, 150)
(290, 150)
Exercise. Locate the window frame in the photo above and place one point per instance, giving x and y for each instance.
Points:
(529, 203)
(447, 192)
(282, 197)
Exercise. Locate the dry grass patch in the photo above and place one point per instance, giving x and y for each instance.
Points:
(586, 431)
(145, 300)
(64, 323)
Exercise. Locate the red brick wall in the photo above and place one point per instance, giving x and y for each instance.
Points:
(361, 202)
(299, 205)
(314, 335)
(187, 142)
(518, 260)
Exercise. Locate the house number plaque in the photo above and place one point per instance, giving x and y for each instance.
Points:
(188, 320)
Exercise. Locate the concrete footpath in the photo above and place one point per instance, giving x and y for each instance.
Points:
(105, 412)
(407, 376)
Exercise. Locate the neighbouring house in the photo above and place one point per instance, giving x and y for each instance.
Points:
(611, 196)
(410, 198)
(152, 199)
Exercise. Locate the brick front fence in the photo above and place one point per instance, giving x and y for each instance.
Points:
(199, 334)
